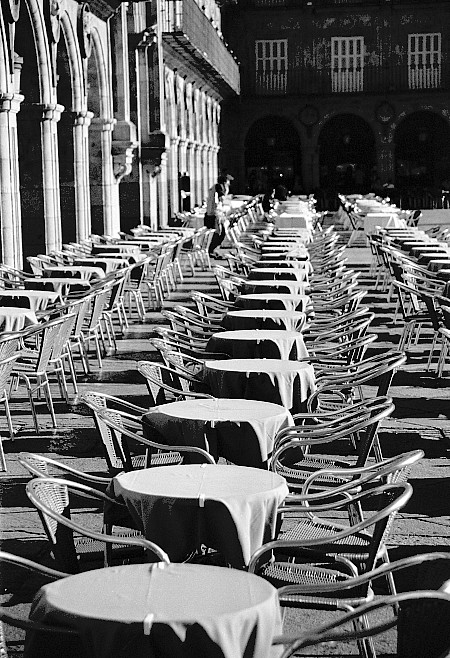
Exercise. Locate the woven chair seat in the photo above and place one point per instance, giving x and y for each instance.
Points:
(300, 471)
(305, 529)
(90, 548)
(164, 459)
(281, 574)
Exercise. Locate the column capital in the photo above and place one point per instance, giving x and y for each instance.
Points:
(82, 118)
(103, 124)
(10, 102)
(51, 111)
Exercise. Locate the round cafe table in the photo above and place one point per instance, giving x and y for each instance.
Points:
(279, 274)
(269, 285)
(293, 263)
(85, 272)
(164, 610)
(230, 508)
(36, 300)
(274, 301)
(259, 344)
(288, 383)
(241, 431)
(13, 318)
(264, 319)
(275, 253)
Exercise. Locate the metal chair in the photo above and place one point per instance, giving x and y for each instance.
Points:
(162, 380)
(32, 365)
(421, 616)
(117, 450)
(318, 560)
(41, 466)
(356, 424)
(73, 544)
(121, 426)
(8, 619)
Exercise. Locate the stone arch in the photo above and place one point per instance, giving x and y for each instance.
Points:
(422, 151)
(272, 153)
(70, 96)
(5, 72)
(42, 51)
(105, 110)
(32, 46)
(100, 129)
(76, 63)
(347, 154)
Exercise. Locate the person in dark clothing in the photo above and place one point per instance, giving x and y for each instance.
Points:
(267, 202)
(185, 191)
(212, 216)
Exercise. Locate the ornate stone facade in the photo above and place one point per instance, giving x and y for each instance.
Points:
(99, 116)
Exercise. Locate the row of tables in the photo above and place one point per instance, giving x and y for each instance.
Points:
(190, 609)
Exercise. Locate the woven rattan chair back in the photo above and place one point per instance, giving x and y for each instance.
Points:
(116, 457)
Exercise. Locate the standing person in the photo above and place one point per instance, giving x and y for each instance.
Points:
(185, 191)
(213, 216)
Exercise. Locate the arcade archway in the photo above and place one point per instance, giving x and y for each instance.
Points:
(422, 152)
(347, 154)
(272, 154)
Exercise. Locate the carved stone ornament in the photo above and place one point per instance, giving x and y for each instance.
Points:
(11, 10)
(309, 115)
(53, 10)
(384, 113)
(84, 27)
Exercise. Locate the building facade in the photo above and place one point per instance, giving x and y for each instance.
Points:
(340, 95)
(102, 105)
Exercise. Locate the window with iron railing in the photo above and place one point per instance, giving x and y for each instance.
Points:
(271, 66)
(347, 64)
(424, 60)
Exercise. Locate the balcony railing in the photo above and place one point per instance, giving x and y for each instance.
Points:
(369, 79)
(198, 39)
(267, 4)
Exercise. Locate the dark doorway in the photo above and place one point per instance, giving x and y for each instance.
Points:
(347, 155)
(272, 155)
(422, 152)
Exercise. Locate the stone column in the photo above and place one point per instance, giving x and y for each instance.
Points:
(183, 162)
(192, 173)
(108, 194)
(210, 156)
(163, 193)
(82, 121)
(174, 192)
(51, 113)
(11, 221)
(205, 170)
(198, 173)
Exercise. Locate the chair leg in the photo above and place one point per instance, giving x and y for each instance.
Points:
(72, 369)
(8, 415)
(44, 383)
(3, 466)
(33, 408)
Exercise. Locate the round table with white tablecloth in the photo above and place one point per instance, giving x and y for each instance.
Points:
(281, 301)
(264, 319)
(279, 273)
(230, 508)
(13, 318)
(259, 344)
(241, 431)
(36, 300)
(169, 611)
(269, 285)
(288, 383)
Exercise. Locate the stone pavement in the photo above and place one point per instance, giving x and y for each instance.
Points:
(421, 420)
